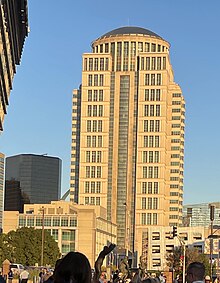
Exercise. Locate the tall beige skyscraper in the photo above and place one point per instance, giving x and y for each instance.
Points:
(128, 134)
(2, 175)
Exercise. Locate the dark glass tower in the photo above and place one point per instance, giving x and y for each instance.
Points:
(36, 177)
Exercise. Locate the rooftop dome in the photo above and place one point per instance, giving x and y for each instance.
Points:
(130, 30)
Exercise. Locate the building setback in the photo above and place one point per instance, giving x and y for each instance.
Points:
(13, 31)
(128, 133)
(31, 178)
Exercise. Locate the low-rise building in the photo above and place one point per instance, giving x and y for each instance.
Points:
(75, 227)
(158, 242)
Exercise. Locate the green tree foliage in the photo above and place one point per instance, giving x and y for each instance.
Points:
(24, 246)
(175, 259)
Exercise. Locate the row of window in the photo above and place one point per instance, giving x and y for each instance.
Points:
(152, 63)
(152, 110)
(92, 200)
(94, 156)
(93, 171)
(153, 79)
(94, 141)
(150, 172)
(48, 221)
(95, 95)
(150, 188)
(151, 125)
(151, 156)
(95, 80)
(96, 64)
(94, 125)
(151, 141)
(152, 95)
(149, 203)
(93, 187)
(95, 110)
(140, 46)
(149, 219)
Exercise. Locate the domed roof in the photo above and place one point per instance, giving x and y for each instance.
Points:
(130, 30)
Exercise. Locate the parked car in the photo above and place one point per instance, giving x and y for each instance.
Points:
(16, 268)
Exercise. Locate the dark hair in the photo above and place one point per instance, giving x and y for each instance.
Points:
(197, 269)
(74, 267)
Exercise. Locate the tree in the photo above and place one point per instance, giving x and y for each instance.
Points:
(174, 259)
(24, 246)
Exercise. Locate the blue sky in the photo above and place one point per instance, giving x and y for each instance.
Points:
(39, 115)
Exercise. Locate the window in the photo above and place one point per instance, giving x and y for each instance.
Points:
(153, 63)
(88, 143)
(96, 80)
(146, 95)
(87, 156)
(143, 218)
(64, 221)
(144, 187)
(90, 64)
(96, 64)
(99, 141)
(86, 187)
(145, 125)
(143, 203)
(95, 95)
(99, 126)
(90, 95)
(101, 80)
(87, 172)
(100, 110)
(97, 200)
(90, 80)
(89, 110)
(99, 172)
(88, 126)
(157, 94)
(93, 141)
(158, 79)
(98, 187)
(100, 95)
(86, 200)
(156, 187)
(94, 110)
(99, 157)
(147, 79)
(92, 187)
(93, 172)
(94, 126)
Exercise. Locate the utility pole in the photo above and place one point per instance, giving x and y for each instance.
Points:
(42, 238)
(212, 216)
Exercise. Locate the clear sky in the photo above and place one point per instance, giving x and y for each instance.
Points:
(39, 115)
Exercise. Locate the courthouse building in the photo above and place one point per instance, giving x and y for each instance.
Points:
(74, 227)
(128, 121)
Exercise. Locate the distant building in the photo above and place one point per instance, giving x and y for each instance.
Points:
(158, 242)
(13, 31)
(2, 171)
(31, 178)
(74, 227)
(128, 119)
(199, 214)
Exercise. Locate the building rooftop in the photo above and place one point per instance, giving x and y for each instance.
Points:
(130, 30)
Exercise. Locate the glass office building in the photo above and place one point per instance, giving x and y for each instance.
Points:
(32, 178)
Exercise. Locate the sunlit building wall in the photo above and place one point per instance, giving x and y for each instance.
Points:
(128, 120)
(13, 31)
(74, 227)
(2, 173)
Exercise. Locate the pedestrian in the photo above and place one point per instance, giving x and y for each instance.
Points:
(2, 280)
(195, 272)
(74, 268)
(10, 276)
(207, 279)
(24, 275)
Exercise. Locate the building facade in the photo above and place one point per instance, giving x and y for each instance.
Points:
(199, 214)
(74, 227)
(31, 178)
(158, 242)
(128, 133)
(13, 31)
(2, 173)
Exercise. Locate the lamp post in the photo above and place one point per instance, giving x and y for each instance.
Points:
(42, 237)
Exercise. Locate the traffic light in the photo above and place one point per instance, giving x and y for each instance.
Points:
(174, 231)
(212, 212)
